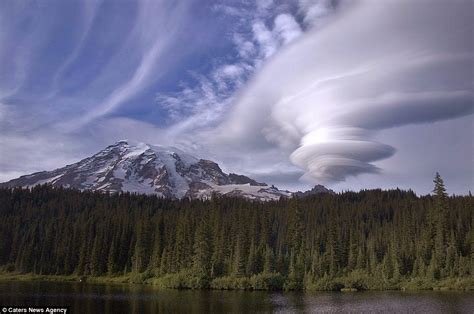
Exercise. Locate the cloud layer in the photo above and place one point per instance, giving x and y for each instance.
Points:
(336, 92)
(376, 65)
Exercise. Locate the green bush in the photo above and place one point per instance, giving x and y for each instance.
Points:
(267, 281)
(181, 280)
(141, 277)
(357, 279)
(466, 283)
(326, 283)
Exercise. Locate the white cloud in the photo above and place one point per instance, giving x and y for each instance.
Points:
(17, 48)
(325, 96)
(265, 39)
(196, 106)
(324, 101)
(230, 71)
(152, 37)
(202, 104)
(88, 12)
(314, 11)
(48, 148)
(287, 28)
(245, 48)
(263, 5)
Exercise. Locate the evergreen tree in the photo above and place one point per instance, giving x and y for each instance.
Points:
(268, 265)
(238, 260)
(441, 206)
(370, 239)
(203, 250)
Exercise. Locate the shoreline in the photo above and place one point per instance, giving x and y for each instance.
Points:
(458, 284)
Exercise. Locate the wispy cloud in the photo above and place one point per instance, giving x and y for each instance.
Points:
(322, 89)
(88, 12)
(153, 36)
(315, 12)
(325, 96)
(16, 58)
(264, 27)
(57, 81)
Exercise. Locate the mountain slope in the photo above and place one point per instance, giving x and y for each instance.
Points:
(149, 169)
(317, 189)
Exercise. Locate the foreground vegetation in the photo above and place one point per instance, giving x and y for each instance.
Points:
(352, 241)
(256, 282)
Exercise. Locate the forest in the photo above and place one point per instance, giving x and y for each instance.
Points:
(372, 239)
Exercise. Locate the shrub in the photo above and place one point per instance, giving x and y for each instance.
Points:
(357, 279)
(182, 280)
(267, 281)
(231, 283)
(140, 277)
(327, 283)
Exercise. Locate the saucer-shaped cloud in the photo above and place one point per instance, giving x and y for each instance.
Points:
(376, 65)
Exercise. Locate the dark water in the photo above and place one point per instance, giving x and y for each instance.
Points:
(98, 298)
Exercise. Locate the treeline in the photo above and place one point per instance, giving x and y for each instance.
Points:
(367, 240)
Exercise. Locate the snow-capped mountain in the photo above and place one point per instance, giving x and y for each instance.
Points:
(150, 169)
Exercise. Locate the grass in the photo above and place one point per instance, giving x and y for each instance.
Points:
(35, 277)
(257, 282)
(9, 276)
(440, 285)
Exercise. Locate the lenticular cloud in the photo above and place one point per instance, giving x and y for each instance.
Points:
(377, 65)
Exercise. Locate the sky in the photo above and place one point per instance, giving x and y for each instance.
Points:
(345, 93)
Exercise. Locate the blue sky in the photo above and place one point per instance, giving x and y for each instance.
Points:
(289, 92)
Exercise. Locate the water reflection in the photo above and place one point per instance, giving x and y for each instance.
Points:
(95, 298)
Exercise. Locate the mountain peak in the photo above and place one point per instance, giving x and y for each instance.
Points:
(317, 189)
(128, 166)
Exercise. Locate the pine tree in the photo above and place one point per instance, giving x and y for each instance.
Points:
(293, 281)
(111, 259)
(155, 258)
(238, 260)
(353, 254)
(297, 228)
(269, 261)
(441, 205)
(317, 241)
(450, 257)
(96, 259)
(440, 190)
(333, 247)
(164, 265)
(202, 262)
(360, 259)
(252, 260)
(140, 252)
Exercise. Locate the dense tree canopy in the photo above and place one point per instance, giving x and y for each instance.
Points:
(373, 239)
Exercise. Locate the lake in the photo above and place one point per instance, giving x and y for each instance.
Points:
(108, 298)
